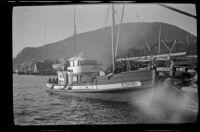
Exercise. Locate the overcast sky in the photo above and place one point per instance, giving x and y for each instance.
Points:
(29, 21)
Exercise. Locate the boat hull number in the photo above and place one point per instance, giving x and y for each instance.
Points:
(131, 84)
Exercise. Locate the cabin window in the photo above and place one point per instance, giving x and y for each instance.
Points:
(74, 78)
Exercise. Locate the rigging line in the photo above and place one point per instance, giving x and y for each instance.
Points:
(165, 45)
(146, 42)
(173, 46)
(117, 43)
(179, 11)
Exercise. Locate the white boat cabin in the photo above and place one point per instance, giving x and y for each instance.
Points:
(79, 71)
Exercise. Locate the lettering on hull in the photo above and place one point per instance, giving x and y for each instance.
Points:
(131, 84)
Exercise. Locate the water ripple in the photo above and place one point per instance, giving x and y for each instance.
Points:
(34, 106)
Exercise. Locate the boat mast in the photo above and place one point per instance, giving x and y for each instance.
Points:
(113, 27)
(75, 48)
(117, 43)
(45, 34)
(159, 41)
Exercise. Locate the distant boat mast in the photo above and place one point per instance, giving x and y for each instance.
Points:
(45, 34)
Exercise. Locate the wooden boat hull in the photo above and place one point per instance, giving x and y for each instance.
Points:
(113, 90)
(127, 95)
(107, 88)
(124, 82)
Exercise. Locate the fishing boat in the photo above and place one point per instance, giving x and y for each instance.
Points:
(85, 75)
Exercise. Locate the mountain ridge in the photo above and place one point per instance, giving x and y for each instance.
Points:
(96, 44)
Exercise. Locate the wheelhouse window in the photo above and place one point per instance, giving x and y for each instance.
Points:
(75, 62)
(71, 63)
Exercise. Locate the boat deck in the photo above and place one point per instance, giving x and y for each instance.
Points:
(142, 75)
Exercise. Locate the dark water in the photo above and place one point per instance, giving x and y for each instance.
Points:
(34, 106)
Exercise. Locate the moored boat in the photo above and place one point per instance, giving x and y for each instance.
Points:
(86, 75)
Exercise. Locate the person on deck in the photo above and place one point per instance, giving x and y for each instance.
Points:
(56, 80)
(53, 80)
(49, 80)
